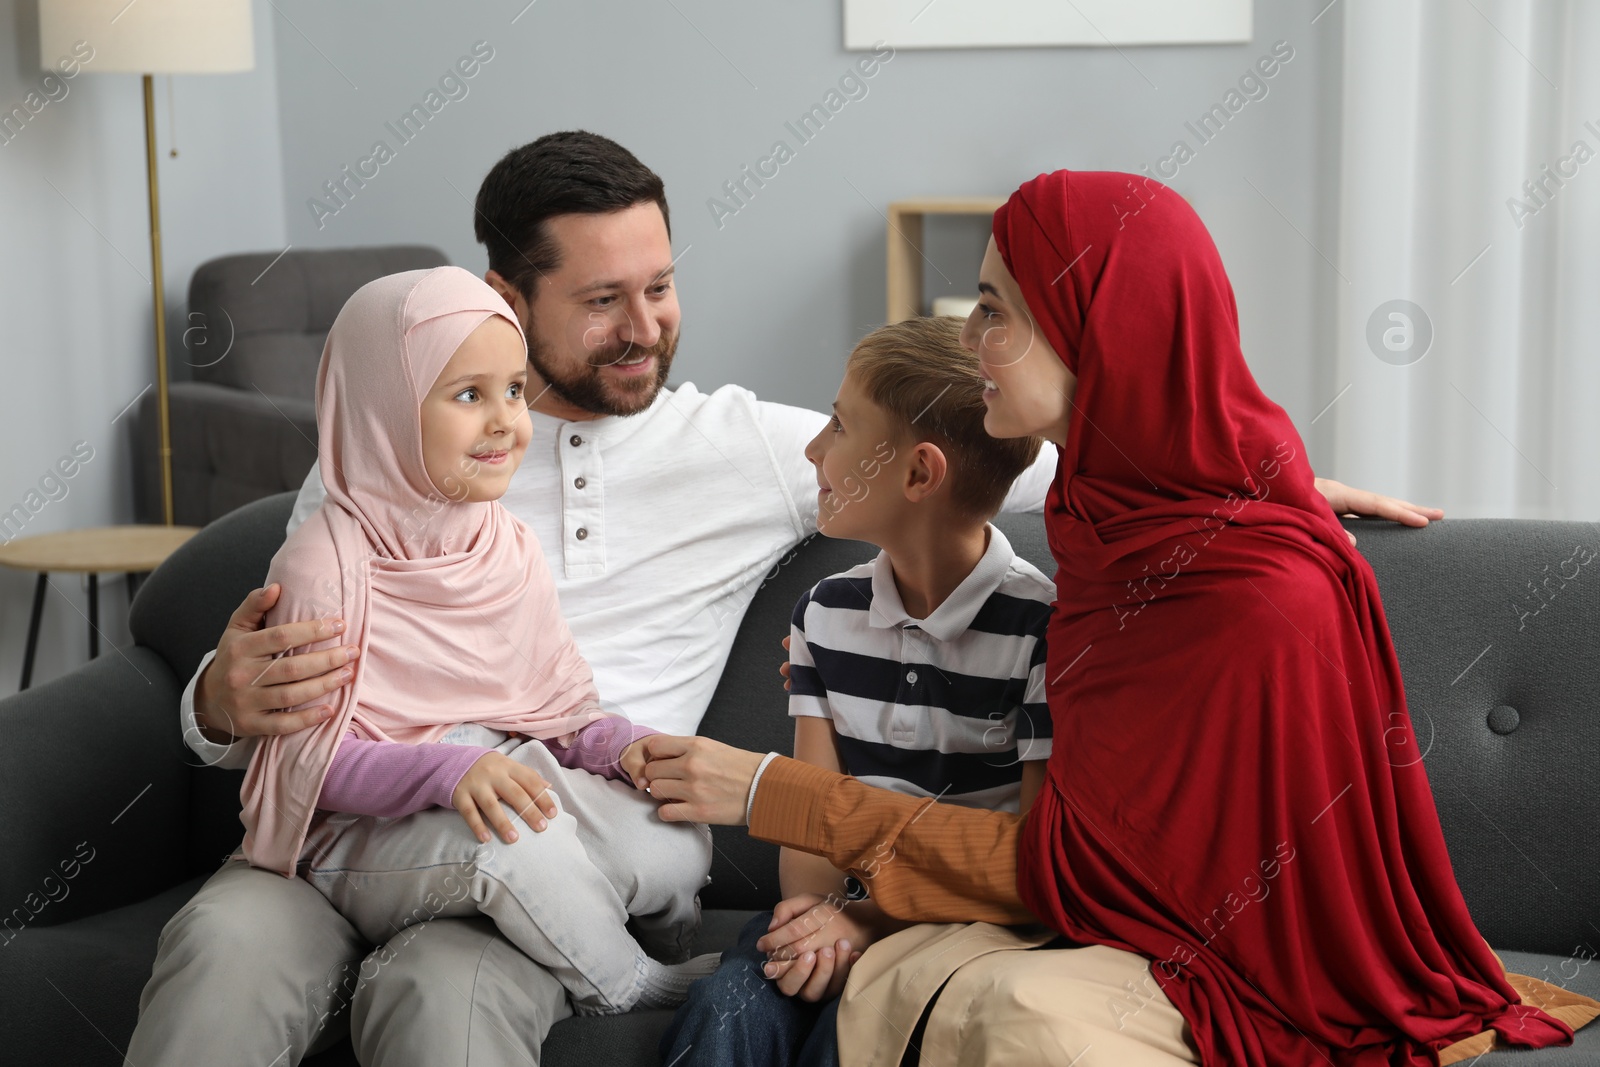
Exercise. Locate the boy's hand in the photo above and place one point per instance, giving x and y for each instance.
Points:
(815, 976)
(811, 944)
(784, 670)
(633, 759)
(496, 777)
(806, 922)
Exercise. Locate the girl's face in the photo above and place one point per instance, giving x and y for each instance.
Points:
(475, 425)
(1029, 388)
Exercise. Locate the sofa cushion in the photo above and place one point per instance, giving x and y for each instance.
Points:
(80, 981)
(94, 790)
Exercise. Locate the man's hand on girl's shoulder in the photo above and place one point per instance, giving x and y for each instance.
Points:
(251, 683)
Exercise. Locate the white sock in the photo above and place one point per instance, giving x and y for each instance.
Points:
(667, 984)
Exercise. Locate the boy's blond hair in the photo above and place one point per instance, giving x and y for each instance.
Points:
(917, 371)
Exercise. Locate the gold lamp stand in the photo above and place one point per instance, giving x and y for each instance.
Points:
(164, 418)
(148, 38)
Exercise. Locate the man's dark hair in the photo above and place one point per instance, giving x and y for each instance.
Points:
(573, 172)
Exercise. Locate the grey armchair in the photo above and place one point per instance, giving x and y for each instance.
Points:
(245, 427)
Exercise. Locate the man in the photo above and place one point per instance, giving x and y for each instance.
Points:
(659, 511)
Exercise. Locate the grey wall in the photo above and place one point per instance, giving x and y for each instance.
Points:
(75, 291)
(775, 296)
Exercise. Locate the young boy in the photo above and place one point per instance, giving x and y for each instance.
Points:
(922, 671)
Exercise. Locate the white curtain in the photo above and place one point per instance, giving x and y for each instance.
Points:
(1449, 108)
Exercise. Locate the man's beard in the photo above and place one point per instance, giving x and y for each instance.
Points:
(588, 388)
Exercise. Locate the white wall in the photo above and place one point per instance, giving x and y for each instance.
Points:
(75, 292)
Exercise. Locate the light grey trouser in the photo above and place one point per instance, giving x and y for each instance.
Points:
(259, 969)
(562, 895)
(460, 994)
(255, 969)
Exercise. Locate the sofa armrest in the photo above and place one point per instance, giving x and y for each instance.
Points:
(95, 791)
(229, 447)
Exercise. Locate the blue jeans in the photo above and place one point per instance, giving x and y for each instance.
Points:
(738, 1016)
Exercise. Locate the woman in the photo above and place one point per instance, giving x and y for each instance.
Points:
(1222, 813)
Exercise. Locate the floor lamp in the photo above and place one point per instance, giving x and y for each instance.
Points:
(150, 37)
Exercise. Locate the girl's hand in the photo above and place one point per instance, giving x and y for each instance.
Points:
(784, 670)
(633, 758)
(496, 777)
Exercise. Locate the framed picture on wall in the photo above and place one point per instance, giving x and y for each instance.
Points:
(1034, 23)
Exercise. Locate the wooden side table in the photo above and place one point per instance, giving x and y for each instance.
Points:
(130, 550)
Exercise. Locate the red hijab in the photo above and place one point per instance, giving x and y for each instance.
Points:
(1234, 791)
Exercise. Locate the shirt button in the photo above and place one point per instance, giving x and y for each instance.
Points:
(574, 440)
(911, 677)
(579, 483)
(582, 533)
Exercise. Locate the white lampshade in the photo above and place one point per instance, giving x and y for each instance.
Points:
(150, 36)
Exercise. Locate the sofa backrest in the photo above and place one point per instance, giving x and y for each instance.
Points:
(181, 610)
(1497, 626)
(276, 312)
(1505, 698)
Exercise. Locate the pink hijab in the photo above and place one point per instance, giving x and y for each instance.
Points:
(451, 602)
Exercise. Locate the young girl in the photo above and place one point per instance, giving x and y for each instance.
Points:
(468, 689)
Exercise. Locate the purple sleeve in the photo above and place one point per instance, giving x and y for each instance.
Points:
(390, 779)
(599, 745)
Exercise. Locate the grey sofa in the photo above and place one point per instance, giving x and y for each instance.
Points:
(94, 777)
(245, 426)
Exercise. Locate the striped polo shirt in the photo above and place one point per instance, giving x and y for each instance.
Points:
(948, 706)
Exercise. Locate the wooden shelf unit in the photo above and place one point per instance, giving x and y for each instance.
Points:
(905, 245)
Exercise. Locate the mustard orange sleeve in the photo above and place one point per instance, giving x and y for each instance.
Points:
(921, 861)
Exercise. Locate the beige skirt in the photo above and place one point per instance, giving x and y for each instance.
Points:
(1009, 1004)
(1005, 1004)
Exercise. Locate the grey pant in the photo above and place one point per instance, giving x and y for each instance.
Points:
(563, 895)
(259, 969)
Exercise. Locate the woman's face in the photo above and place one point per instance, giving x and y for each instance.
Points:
(475, 425)
(1029, 387)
